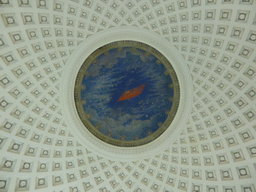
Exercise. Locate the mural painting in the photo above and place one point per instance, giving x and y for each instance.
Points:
(125, 95)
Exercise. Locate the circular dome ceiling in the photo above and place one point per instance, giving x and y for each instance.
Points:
(42, 149)
(126, 93)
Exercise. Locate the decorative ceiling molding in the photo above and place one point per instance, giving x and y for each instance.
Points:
(215, 152)
(68, 84)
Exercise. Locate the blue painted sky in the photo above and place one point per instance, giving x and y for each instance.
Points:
(118, 72)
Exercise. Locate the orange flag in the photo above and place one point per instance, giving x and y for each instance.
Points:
(131, 93)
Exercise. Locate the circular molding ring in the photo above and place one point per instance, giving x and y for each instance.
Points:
(68, 83)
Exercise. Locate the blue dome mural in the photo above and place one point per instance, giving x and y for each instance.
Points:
(125, 95)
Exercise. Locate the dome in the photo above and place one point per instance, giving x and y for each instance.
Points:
(208, 144)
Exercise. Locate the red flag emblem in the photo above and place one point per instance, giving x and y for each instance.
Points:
(131, 93)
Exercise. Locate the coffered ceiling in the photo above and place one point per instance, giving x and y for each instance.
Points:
(216, 150)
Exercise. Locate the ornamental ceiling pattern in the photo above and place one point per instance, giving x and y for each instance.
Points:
(215, 152)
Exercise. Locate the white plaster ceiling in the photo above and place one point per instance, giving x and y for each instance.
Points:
(215, 152)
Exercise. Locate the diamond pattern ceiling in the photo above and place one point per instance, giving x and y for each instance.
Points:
(215, 152)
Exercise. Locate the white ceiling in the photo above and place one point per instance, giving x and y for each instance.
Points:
(215, 152)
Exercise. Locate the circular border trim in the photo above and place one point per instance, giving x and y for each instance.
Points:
(67, 93)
